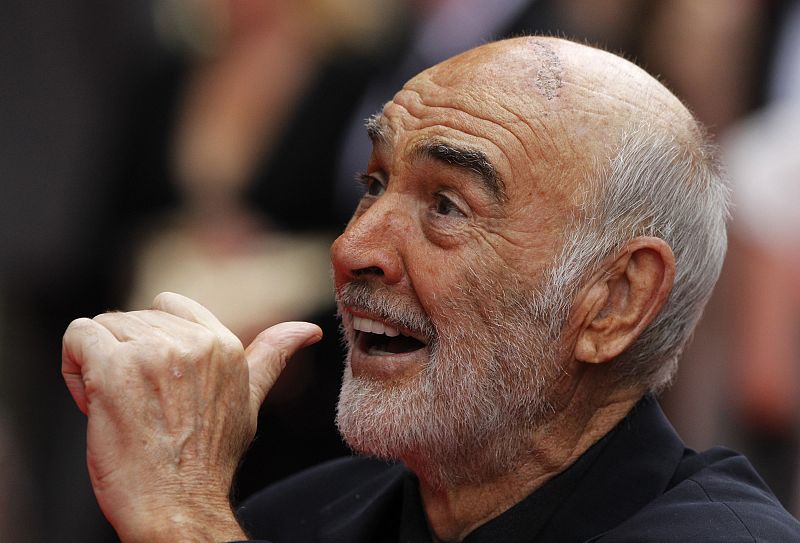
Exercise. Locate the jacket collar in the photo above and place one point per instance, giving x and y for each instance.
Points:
(627, 469)
(633, 468)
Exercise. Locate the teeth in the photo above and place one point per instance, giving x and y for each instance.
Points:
(374, 327)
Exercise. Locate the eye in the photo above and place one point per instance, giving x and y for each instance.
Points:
(446, 206)
(373, 186)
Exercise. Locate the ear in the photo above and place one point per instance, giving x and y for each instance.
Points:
(622, 298)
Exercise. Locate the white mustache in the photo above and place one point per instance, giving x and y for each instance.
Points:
(391, 308)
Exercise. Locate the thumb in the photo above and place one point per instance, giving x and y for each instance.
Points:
(270, 350)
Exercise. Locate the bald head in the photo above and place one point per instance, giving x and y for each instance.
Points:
(577, 100)
(560, 75)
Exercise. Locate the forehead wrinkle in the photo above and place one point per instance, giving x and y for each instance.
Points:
(447, 115)
(541, 136)
(467, 158)
(540, 142)
(534, 137)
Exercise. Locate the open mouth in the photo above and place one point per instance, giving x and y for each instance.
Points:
(379, 339)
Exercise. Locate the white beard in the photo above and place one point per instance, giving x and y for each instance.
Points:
(469, 414)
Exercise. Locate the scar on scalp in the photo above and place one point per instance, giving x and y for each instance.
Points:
(548, 77)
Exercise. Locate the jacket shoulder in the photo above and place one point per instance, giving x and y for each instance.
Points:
(721, 499)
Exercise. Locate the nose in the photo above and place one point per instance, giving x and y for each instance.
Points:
(370, 246)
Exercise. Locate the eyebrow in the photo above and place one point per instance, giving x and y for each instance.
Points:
(472, 160)
(376, 129)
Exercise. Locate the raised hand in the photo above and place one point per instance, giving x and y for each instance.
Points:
(172, 399)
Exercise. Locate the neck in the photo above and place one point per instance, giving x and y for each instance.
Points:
(455, 510)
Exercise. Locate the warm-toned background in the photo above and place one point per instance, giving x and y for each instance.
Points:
(208, 147)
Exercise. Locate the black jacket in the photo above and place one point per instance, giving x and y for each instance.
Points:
(638, 484)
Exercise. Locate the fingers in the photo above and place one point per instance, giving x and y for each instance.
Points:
(268, 353)
(190, 312)
(167, 396)
(177, 316)
(88, 341)
(84, 342)
(188, 309)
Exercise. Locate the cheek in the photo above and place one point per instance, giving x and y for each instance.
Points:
(436, 276)
(464, 300)
(462, 288)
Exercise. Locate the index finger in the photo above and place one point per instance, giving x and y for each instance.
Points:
(192, 311)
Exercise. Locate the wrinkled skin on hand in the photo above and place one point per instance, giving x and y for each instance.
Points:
(172, 400)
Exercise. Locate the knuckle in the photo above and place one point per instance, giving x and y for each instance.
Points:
(206, 341)
(80, 322)
(106, 317)
(164, 300)
(192, 348)
(159, 300)
(231, 347)
(76, 328)
(149, 358)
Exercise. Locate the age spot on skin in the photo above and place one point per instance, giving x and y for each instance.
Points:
(548, 77)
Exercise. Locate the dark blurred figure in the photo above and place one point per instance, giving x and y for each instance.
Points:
(69, 72)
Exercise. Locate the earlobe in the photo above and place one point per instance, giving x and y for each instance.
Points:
(622, 298)
(586, 350)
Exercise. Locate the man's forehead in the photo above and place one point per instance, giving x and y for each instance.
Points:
(539, 109)
(520, 148)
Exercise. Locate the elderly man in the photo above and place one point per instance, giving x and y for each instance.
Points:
(541, 226)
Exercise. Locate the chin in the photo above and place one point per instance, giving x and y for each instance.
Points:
(369, 418)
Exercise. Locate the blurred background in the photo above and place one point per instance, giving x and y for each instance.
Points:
(209, 147)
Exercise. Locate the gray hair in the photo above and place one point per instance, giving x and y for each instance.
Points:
(655, 185)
